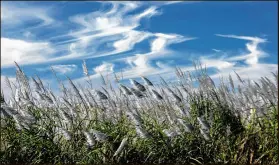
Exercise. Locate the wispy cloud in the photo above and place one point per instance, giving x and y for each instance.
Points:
(253, 70)
(143, 64)
(24, 52)
(140, 63)
(97, 34)
(255, 53)
(163, 40)
(113, 27)
(17, 14)
(104, 68)
(130, 39)
(254, 39)
(63, 69)
(120, 30)
(28, 34)
(216, 50)
(216, 63)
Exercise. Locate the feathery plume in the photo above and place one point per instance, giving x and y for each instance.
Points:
(146, 81)
(231, 82)
(66, 134)
(205, 134)
(37, 85)
(84, 67)
(141, 132)
(135, 118)
(89, 138)
(70, 107)
(204, 124)
(182, 111)
(171, 132)
(156, 95)
(187, 127)
(238, 77)
(123, 143)
(17, 95)
(178, 99)
(101, 137)
(101, 95)
(137, 93)
(137, 85)
(46, 98)
(8, 111)
(125, 90)
(65, 116)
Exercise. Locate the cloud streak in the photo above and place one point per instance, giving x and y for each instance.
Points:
(113, 31)
(253, 68)
(13, 14)
(104, 68)
(63, 69)
(24, 52)
(255, 53)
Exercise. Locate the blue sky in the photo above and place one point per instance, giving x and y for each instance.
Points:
(138, 38)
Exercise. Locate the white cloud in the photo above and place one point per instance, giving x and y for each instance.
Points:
(162, 65)
(253, 70)
(158, 44)
(254, 39)
(17, 13)
(163, 40)
(216, 63)
(163, 3)
(104, 68)
(255, 53)
(112, 27)
(63, 69)
(173, 2)
(28, 34)
(147, 13)
(23, 52)
(139, 65)
(131, 38)
(105, 25)
(216, 50)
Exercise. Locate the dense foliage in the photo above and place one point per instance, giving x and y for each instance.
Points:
(192, 121)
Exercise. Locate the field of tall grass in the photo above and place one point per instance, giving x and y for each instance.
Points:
(193, 121)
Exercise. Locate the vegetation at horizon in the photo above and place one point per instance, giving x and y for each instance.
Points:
(193, 121)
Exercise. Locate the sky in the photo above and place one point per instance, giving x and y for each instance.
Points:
(135, 39)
